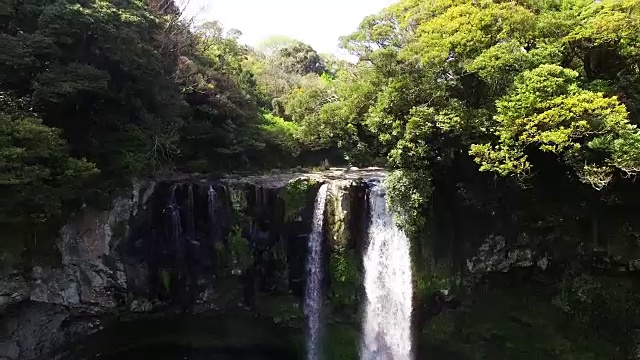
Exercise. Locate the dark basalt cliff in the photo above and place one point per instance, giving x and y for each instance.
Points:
(182, 246)
(215, 268)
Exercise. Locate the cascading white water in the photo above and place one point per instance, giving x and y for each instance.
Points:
(387, 265)
(191, 219)
(212, 199)
(313, 295)
(174, 217)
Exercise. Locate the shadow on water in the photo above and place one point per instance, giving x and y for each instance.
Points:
(177, 352)
(432, 351)
(225, 337)
(188, 338)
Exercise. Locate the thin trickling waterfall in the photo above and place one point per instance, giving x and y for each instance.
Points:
(211, 203)
(174, 217)
(313, 295)
(175, 223)
(191, 219)
(387, 264)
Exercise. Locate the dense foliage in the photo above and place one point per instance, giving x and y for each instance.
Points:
(94, 93)
(514, 120)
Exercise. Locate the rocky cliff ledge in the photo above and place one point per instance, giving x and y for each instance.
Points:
(184, 245)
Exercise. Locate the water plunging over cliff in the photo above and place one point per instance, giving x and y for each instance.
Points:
(313, 295)
(387, 264)
(175, 230)
(170, 245)
(212, 200)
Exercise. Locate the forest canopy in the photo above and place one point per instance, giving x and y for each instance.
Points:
(95, 93)
(98, 92)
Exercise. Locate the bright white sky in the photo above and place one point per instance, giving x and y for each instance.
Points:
(318, 23)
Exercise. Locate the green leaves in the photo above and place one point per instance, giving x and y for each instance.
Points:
(301, 59)
(130, 88)
(284, 134)
(463, 32)
(548, 111)
(541, 92)
(613, 23)
(305, 101)
(37, 175)
(69, 83)
(505, 80)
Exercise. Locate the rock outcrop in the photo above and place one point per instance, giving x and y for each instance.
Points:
(187, 245)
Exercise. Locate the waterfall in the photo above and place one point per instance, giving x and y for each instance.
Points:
(211, 204)
(211, 201)
(191, 219)
(174, 219)
(387, 264)
(313, 295)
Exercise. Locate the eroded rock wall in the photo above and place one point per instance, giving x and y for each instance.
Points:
(187, 245)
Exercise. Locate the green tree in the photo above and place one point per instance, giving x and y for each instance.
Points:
(274, 43)
(38, 177)
(300, 58)
(101, 73)
(501, 117)
(128, 86)
(548, 110)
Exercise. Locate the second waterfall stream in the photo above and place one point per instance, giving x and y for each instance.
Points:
(386, 331)
(313, 295)
(386, 323)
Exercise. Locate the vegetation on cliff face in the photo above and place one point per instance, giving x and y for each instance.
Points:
(295, 196)
(344, 266)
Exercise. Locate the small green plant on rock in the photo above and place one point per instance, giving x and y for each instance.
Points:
(221, 255)
(295, 196)
(341, 342)
(165, 279)
(240, 249)
(409, 194)
(345, 276)
(238, 201)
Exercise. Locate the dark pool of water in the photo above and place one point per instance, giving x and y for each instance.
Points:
(238, 336)
(177, 352)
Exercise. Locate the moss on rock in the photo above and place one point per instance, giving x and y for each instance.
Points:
(295, 196)
(241, 256)
(507, 325)
(345, 278)
(343, 257)
(284, 309)
(341, 342)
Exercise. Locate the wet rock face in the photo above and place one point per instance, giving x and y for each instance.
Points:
(14, 288)
(194, 235)
(346, 225)
(189, 244)
(172, 241)
(495, 256)
(48, 305)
